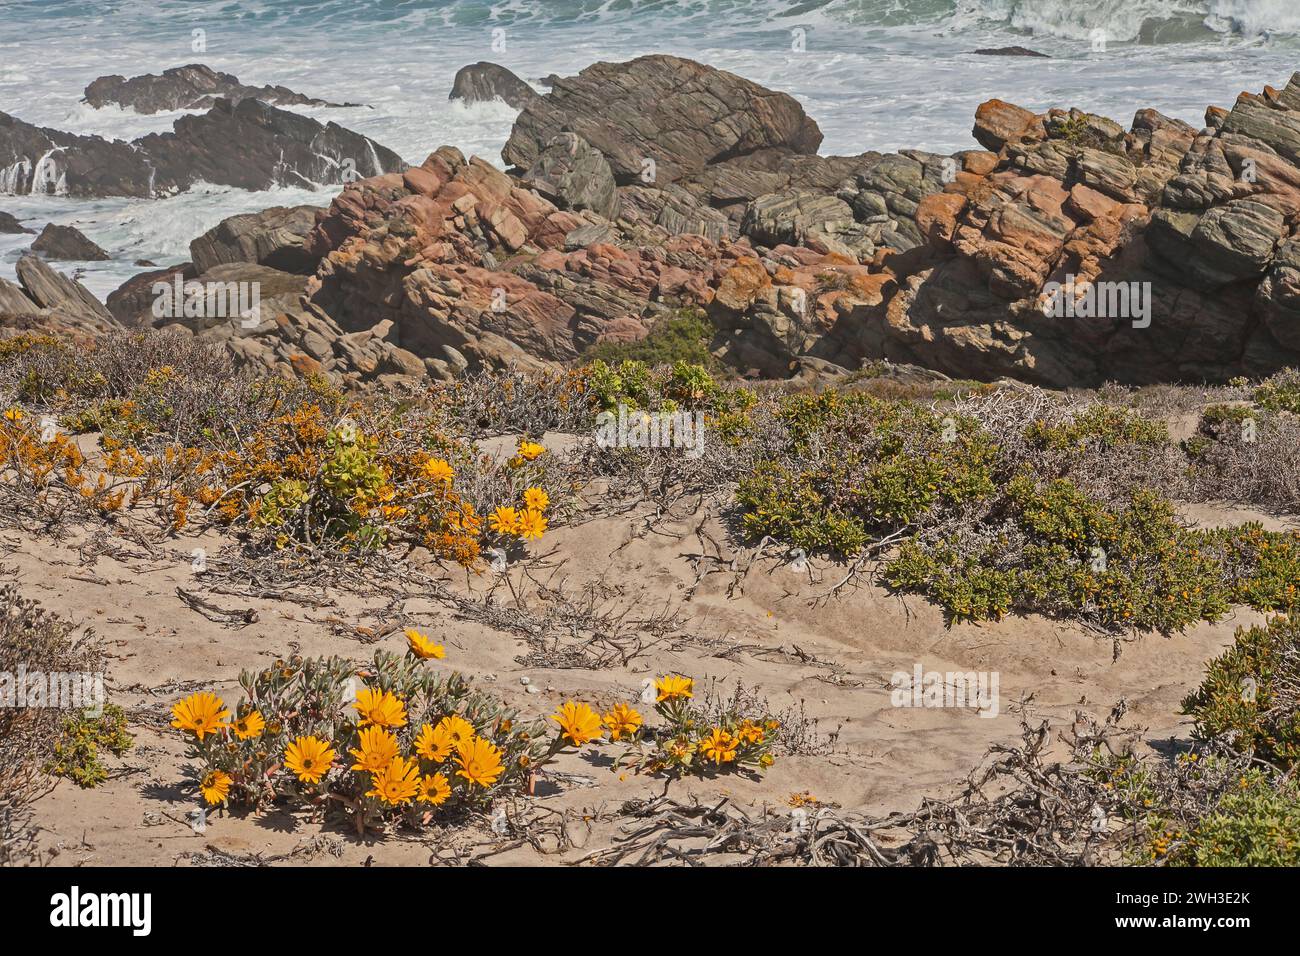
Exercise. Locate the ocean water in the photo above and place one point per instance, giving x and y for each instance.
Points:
(875, 74)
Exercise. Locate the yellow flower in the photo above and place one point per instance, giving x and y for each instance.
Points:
(378, 748)
(673, 686)
(436, 469)
(310, 758)
(750, 733)
(432, 744)
(621, 720)
(766, 760)
(719, 746)
(457, 728)
(422, 647)
(397, 783)
(504, 521)
(578, 722)
(532, 524)
(434, 789)
(380, 708)
(479, 762)
(215, 786)
(530, 451)
(201, 714)
(536, 499)
(14, 415)
(249, 726)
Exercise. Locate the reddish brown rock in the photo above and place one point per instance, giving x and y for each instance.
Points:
(936, 216)
(998, 123)
(742, 285)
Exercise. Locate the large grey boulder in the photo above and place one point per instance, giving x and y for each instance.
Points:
(53, 304)
(255, 146)
(1278, 297)
(35, 160)
(573, 175)
(11, 226)
(1222, 245)
(802, 217)
(272, 237)
(51, 289)
(132, 302)
(13, 301)
(660, 118)
(483, 82)
(67, 243)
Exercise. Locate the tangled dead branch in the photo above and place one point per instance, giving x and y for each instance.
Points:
(1020, 807)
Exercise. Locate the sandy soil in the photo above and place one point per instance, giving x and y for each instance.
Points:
(765, 628)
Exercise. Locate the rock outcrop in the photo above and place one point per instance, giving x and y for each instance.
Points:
(1169, 261)
(688, 147)
(132, 302)
(874, 208)
(483, 82)
(14, 301)
(574, 175)
(251, 145)
(248, 144)
(272, 237)
(11, 226)
(50, 289)
(40, 161)
(283, 333)
(49, 302)
(67, 243)
(661, 118)
(1069, 251)
(191, 87)
(807, 262)
(1010, 51)
(470, 269)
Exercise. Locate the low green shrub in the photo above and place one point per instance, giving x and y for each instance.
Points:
(851, 468)
(685, 337)
(969, 586)
(1251, 693)
(1256, 825)
(635, 384)
(789, 507)
(1064, 554)
(1281, 393)
(1103, 426)
(81, 741)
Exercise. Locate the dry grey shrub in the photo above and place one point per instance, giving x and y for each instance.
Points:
(1023, 805)
(597, 626)
(116, 365)
(1169, 401)
(515, 402)
(187, 392)
(35, 641)
(659, 476)
(1263, 470)
(124, 360)
(1109, 470)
